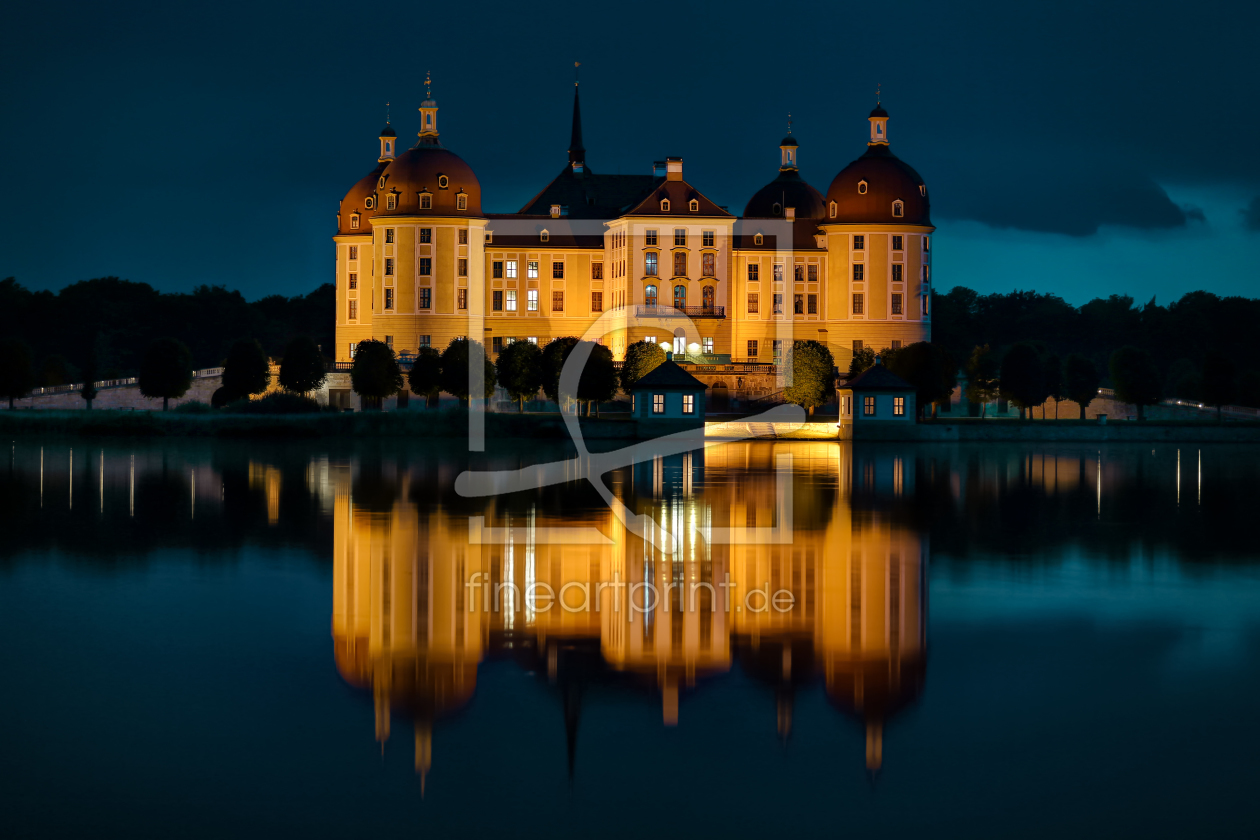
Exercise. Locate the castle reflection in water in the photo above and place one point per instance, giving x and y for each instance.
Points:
(410, 621)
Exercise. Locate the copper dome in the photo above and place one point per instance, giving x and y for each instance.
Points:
(356, 201)
(887, 179)
(421, 169)
(788, 190)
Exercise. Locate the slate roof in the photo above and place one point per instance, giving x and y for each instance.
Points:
(669, 376)
(680, 194)
(588, 195)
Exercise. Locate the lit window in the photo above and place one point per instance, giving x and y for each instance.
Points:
(426, 266)
(461, 202)
(354, 222)
(861, 188)
(533, 339)
(443, 182)
(680, 297)
(899, 406)
(649, 295)
(426, 236)
(649, 264)
(664, 205)
(597, 271)
(858, 303)
(511, 300)
(927, 307)
(391, 202)
(752, 348)
(426, 298)
(658, 403)
(461, 299)
(426, 201)
(859, 272)
(706, 239)
(425, 341)
(354, 280)
(898, 209)
(706, 345)
(798, 272)
(510, 269)
(923, 190)
(689, 403)
(695, 206)
(778, 272)
(753, 303)
(706, 298)
(833, 209)
(926, 247)
(557, 301)
(650, 339)
(531, 270)
(389, 236)
(868, 406)
(896, 304)
(557, 270)
(354, 348)
(531, 300)
(389, 298)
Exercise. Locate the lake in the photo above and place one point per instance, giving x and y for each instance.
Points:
(209, 639)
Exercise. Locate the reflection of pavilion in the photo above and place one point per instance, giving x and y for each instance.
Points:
(411, 622)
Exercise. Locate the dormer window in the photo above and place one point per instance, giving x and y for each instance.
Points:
(777, 209)
(899, 209)
(664, 205)
(368, 202)
(426, 201)
(861, 188)
(443, 182)
(354, 221)
(833, 210)
(923, 190)
(545, 236)
(461, 201)
(695, 206)
(391, 202)
(489, 236)
(758, 239)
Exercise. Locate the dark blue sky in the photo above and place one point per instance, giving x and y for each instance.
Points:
(1078, 148)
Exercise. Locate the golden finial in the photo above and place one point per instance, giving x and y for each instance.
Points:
(577, 74)
(877, 94)
(789, 122)
(386, 113)
(428, 82)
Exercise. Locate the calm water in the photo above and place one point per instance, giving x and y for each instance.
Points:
(214, 640)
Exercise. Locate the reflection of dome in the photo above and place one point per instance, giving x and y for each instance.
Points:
(356, 201)
(788, 190)
(422, 168)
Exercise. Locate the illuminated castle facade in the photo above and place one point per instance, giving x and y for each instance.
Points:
(419, 261)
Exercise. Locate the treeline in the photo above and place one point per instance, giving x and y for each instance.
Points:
(108, 324)
(1190, 342)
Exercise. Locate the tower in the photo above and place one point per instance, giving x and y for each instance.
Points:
(788, 150)
(428, 114)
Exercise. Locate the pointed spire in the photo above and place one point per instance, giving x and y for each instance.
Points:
(577, 153)
(387, 138)
(428, 114)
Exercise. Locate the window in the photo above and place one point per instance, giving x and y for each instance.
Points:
(391, 201)
(680, 297)
(923, 189)
(354, 280)
(511, 300)
(426, 266)
(833, 210)
(354, 310)
(649, 295)
(896, 344)
(896, 304)
(813, 274)
(496, 344)
(753, 270)
(597, 271)
(798, 304)
(923, 302)
(857, 346)
(545, 236)
(897, 273)
(811, 305)
(426, 298)
(443, 182)
(778, 304)
(389, 266)
(680, 237)
(354, 348)
(858, 302)
(658, 403)
(776, 209)
(776, 350)
(868, 406)
(462, 299)
(496, 301)
(463, 236)
(426, 201)
(389, 298)
(557, 270)
(706, 345)
(597, 301)
(859, 243)
(925, 245)
(680, 264)
(846, 406)
(861, 188)
(706, 239)
(706, 297)
(461, 201)
(531, 270)
(778, 272)
(798, 273)
(649, 264)
(897, 243)
(557, 301)
(496, 269)
(859, 272)
(758, 239)
(664, 205)
(752, 303)
(354, 222)
(689, 403)
(426, 236)
(899, 406)
(489, 236)
(354, 252)
(925, 275)
(695, 206)
(531, 300)
(463, 267)
(898, 209)
(650, 339)
(752, 348)
(708, 265)
(510, 269)
(649, 237)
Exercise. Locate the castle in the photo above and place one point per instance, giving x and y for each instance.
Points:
(621, 258)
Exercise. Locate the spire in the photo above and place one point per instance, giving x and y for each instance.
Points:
(879, 122)
(387, 138)
(577, 154)
(788, 150)
(428, 114)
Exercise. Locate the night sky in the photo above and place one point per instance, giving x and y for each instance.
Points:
(1077, 148)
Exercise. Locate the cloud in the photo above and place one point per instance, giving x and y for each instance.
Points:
(1251, 214)
(1195, 213)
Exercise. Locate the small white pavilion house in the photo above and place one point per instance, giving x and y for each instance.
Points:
(667, 400)
(875, 397)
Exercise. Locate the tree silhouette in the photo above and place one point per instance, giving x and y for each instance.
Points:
(425, 376)
(1023, 379)
(1080, 380)
(302, 369)
(1135, 378)
(1220, 378)
(17, 375)
(520, 371)
(642, 357)
(599, 378)
(555, 354)
(982, 378)
(375, 375)
(457, 361)
(246, 371)
(166, 370)
(930, 369)
(813, 377)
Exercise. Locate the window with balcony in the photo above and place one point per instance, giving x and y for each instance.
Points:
(649, 295)
(707, 297)
(680, 297)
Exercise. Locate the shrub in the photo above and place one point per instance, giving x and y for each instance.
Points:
(193, 407)
(279, 402)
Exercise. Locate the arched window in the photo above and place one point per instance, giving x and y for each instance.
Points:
(443, 182)
(354, 221)
(391, 202)
(680, 264)
(695, 206)
(899, 209)
(388, 145)
(545, 236)
(833, 209)
(707, 297)
(861, 188)
(649, 295)
(777, 209)
(461, 201)
(664, 205)
(758, 239)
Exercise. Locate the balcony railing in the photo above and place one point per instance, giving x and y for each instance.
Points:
(681, 311)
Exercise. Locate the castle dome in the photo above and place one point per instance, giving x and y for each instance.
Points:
(787, 190)
(865, 191)
(428, 168)
(357, 201)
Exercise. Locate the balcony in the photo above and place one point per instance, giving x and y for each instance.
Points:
(681, 311)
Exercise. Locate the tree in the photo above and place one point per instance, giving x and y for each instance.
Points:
(642, 357)
(375, 375)
(425, 376)
(520, 371)
(813, 377)
(930, 369)
(17, 375)
(247, 370)
(302, 368)
(598, 382)
(1220, 378)
(1023, 379)
(88, 391)
(166, 370)
(457, 361)
(861, 361)
(1135, 378)
(1080, 380)
(555, 354)
(57, 370)
(1054, 382)
(982, 378)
